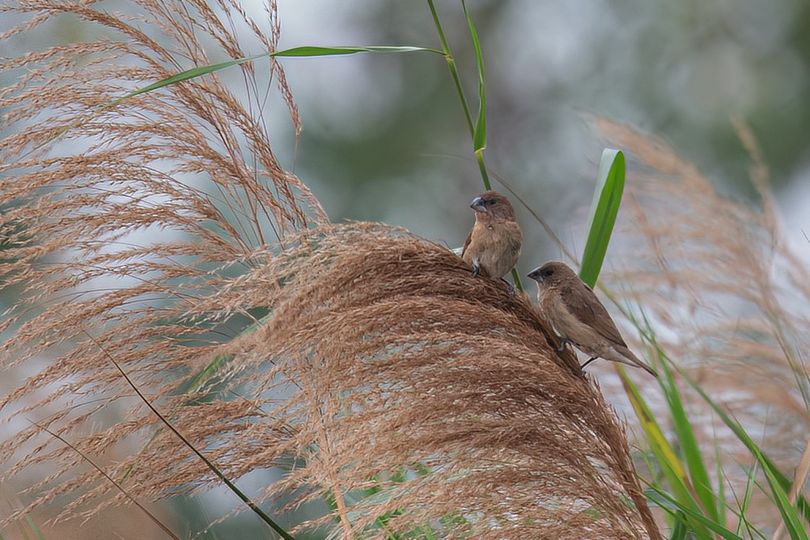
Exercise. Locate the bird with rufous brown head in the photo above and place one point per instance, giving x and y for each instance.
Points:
(579, 318)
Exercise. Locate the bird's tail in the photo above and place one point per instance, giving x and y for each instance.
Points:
(626, 356)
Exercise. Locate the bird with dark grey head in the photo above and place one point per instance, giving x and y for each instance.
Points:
(579, 318)
(493, 245)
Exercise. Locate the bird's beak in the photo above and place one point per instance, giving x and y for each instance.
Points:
(535, 275)
(478, 205)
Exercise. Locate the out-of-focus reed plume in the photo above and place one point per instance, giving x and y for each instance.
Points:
(727, 295)
(141, 231)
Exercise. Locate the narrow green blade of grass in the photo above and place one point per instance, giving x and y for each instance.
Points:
(778, 481)
(428, 534)
(665, 455)
(308, 51)
(742, 508)
(189, 74)
(683, 428)
(605, 207)
(680, 529)
(305, 51)
(203, 376)
(746, 502)
(311, 50)
(210, 370)
(790, 515)
(663, 451)
(34, 528)
(191, 385)
(674, 507)
(722, 514)
(480, 130)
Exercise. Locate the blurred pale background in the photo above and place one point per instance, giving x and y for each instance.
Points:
(384, 137)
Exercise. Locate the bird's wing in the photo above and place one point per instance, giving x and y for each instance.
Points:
(466, 243)
(515, 238)
(583, 304)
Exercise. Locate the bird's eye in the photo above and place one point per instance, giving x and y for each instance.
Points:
(492, 202)
(548, 273)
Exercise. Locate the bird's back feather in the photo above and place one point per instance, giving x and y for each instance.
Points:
(581, 301)
(466, 243)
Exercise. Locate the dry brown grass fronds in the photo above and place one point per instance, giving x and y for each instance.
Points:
(141, 232)
(131, 214)
(727, 294)
(119, 219)
(394, 354)
(383, 353)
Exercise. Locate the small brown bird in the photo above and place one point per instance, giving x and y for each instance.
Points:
(579, 318)
(493, 245)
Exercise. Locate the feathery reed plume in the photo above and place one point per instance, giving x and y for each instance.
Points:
(118, 217)
(391, 354)
(727, 295)
(383, 364)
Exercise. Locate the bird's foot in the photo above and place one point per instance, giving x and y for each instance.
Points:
(563, 343)
(591, 359)
(511, 287)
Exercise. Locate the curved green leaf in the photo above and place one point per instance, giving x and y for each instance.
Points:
(674, 507)
(480, 130)
(779, 483)
(306, 51)
(605, 207)
(689, 447)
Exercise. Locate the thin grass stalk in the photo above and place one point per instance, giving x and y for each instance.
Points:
(208, 463)
(101, 471)
(799, 478)
(451, 65)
